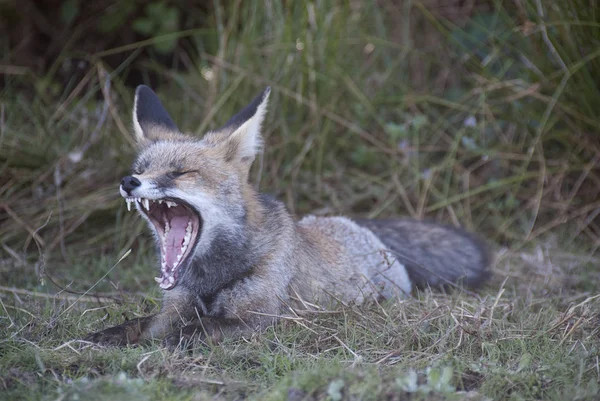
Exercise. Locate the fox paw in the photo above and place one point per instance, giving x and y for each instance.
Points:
(130, 332)
(115, 336)
(185, 337)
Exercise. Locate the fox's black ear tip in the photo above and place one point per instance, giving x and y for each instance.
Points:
(148, 110)
(264, 95)
(143, 90)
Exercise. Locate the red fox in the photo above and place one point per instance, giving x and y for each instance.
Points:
(231, 260)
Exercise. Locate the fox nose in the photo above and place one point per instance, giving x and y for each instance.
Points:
(129, 183)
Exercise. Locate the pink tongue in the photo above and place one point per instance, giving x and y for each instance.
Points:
(174, 239)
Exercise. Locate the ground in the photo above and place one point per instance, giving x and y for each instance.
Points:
(531, 333)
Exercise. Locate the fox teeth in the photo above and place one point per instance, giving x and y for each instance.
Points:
(158, 280)
(171, 280)
(160, 201)
(167, 227)
(170, 204)
(146, 203)
(128, 201)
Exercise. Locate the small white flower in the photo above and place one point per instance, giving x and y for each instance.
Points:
(470, 121)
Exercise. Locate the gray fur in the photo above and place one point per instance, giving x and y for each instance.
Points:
(209, 273)
(434, 254)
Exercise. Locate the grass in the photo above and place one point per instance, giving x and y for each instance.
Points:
(516, 343)
(485, 119)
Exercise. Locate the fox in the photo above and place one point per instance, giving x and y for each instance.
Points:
(232, 261)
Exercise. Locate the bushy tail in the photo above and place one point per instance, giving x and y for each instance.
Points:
(434, 254)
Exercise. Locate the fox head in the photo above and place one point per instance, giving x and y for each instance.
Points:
(188, 188)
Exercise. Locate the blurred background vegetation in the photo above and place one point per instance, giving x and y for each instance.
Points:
(479, 113)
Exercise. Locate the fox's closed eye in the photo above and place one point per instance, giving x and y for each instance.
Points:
(175, 174)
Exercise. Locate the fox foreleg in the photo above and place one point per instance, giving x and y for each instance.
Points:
(129, 332)
(153, 327)
(214, 329)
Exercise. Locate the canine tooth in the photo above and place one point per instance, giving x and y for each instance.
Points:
(128, 205)
(146, 204)
(171, 204)
(158, 280)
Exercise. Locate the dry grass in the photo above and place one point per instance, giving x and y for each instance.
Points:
(530, 338)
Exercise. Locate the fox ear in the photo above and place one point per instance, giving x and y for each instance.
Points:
(241, 135)
(151, 121)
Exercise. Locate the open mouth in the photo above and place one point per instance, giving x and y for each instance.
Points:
(178, 227)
